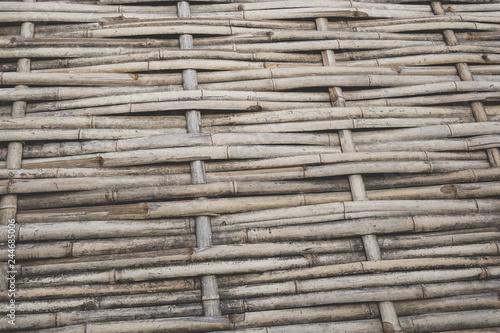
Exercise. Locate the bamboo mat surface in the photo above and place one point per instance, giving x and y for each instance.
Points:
(252, 166)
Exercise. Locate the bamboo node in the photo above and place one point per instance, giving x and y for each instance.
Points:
(297, 288)
(388, 327)
(427, 157)
(422, 289)
(90, 305)
(414, 223)
(498, 247)
(311, 260)
(484, 274)
(236, 318)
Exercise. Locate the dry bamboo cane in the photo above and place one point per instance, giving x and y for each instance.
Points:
(149, 187)
(177, 96)
(228, 95)
(210, 289)
(369, 294)
(222, 252)
(109, 302)
(63, 93)
(354, 268)
(325, 296)
(62, 319)
(466, 320)
(348, 208)
(189, 284)
(246, 204)
(236, 165)
(123, 275)
(183, 105)
(465, 74)
(454, 303)
(341, 248)
(105, 196)
(315, 314)
(8, 203)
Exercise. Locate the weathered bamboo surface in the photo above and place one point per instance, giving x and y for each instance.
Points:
(251, 166)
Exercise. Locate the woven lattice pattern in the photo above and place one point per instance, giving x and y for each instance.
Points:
(259, 166)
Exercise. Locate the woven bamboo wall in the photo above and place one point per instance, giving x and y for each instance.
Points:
(281, 166)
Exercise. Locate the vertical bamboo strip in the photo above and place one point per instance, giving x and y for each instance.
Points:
(388, 313)
(209, 287)
(465, 74)
(8, 203)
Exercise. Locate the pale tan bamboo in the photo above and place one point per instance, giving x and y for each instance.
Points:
(226, 188)
(8, 203)
(463, 321)
(277, 163)
(209, 285)
(183, 105)
(477, 108)
(190, 284)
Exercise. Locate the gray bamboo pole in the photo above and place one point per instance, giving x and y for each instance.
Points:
(209, 286)
(8, 203)
(464, 72)
(388, 313)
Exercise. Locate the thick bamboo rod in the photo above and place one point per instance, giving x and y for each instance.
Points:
(477, 108)
(388, 313)
(8, 203)
(209, 286)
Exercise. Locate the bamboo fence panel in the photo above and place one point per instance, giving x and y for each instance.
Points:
(251, 166)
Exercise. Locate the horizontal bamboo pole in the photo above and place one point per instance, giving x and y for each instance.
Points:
(354, 268)
(432, 100)
(355, 123)
(394, 293)
(109, 302)
(382, 227)
(81, 134)
(466, 320)
(276, 84)
(149, 187)
(160, 272)
(66, 52)
(62, 93)
(480, 301)
(62, 319)
(352, 282)
(458, 206)
(125, 250)
(440, 239)
(463, 302)
(427, 59)
(189, 284)
(176, 95)
(470, 249)
(188, 255)
(244, 204)
(183, 105)
(333, 113)
(478, 175)
(424, 89)
(450, 191)
(289, 316)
